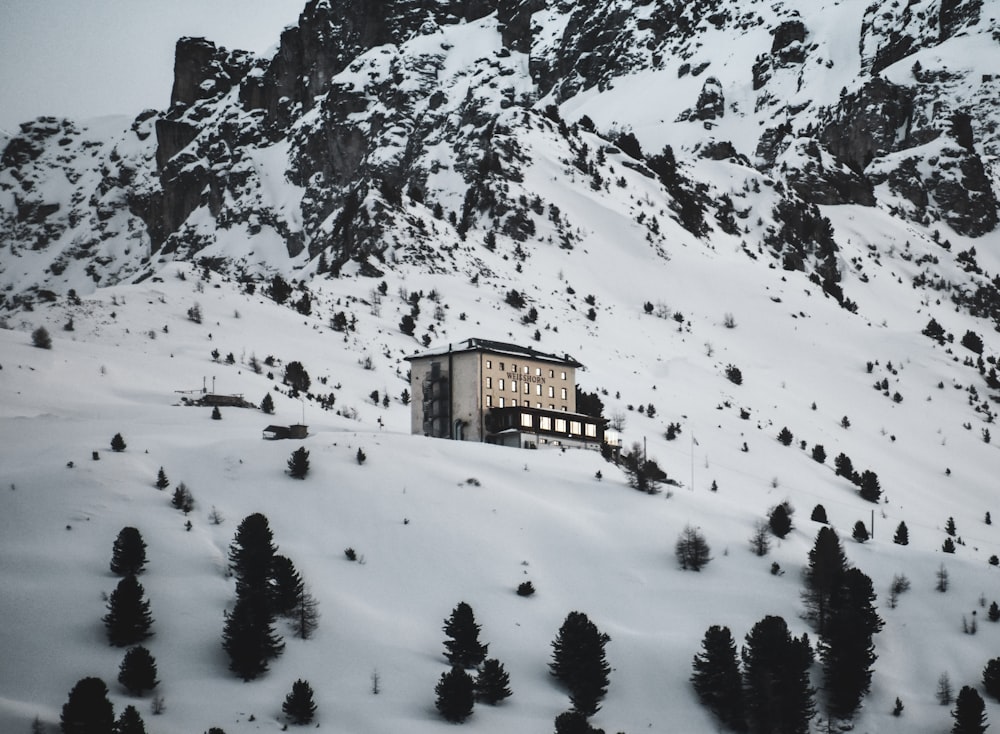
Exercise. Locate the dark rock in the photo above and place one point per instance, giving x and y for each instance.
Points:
(791, 31)
(867, 123)
(956, 15)
(172, 136)
(514, 17)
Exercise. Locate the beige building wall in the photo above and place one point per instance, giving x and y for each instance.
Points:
(531, 382)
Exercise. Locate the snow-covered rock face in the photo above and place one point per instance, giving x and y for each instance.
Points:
(372, 117)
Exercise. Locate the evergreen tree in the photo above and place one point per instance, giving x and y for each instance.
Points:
(573, 722)
(267, 404)
(716, 678)
(305, 616)
(462, 648)
(492, 683)
(844, 466)
(948, 546)
(161, 480)
(249, 637)
(870, 489)
(969, 713)
(991, 678)
(117, 442)
(847, 650)
(780, 520)
(286, 586)
(691, 549)
(860, 532)
(579, 662)
(130, 722)
(827, 564)
(88, 710)
(137, 672)
(182, 498)
(216, 413)
(299, 706)
(298, 463)
(455, 695)
(819, 453)
(949, 527)
(776, 665)
(128, 554)
(902, 536)
(251, 555)
(128, 619)
(819, 514)
(994, 612)
(40, 338)
(785, 436)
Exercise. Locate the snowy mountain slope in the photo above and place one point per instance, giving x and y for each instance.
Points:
(432, 171)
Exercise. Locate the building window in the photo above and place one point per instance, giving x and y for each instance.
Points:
(552, 391)
(513, 403)
(500, 366)
(489, 383)
(562, 393)
(500, 383)
(552, 373)
(513, 367)
(501, 402)
(564, 409)
(552, 407)
(525, 369)
(489, 401)
(538, 371)
(538, 389)
(545, 423)
(575, 427)
(560, 425)
(527, 389)
(564, 375)
(513, 385)
(591, 430)
(526, 420)
(538, 405)
(489, 364)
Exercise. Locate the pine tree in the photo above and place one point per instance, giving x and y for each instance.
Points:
(579, 662)
(161, 480)
(128, 554)
(130, 722)
(182, 498)
(902, 536)
(870, 489)
(991, 678)
(216, 413)
(691, 549)
(455, 695)
(949, 527)
(847, 650)
(776, 679)
(948, 546)
(286, 586)
(819, 514)
(492, 683)
(251, 554)
(573, 722)
(785, 436)
(463, 648)
(994, 612)
(298, 463)
(305, 616)
(716, 678)
(819, 454)
(969, 713)
(827, 564)
(267, 404)
(40, 338)
(299, 706)
(137, 672)
(128, 619)
(88, 710)
(117, 442)
(860, 532)
(844, 466)
(780, 521)
(249, 637)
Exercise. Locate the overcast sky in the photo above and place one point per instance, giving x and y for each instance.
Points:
(88, 58)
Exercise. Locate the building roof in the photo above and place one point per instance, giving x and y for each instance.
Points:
(494, 347)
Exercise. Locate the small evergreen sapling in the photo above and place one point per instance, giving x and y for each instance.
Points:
(949, 527)
(780, 520)
(948, 546)
(785, 436)
(299, 706)
(902, 536)
(298, 463)
(691, 550)
(182, 498)
(860, 532)
(267, 404)
(118, 443)
(128, 554)
(819, 514)
(993, 614)
(161, 480)
(40, 338)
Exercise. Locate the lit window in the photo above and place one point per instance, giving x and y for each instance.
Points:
(489, 364)
(525, 369)
(575, 427)
(563, 409)
(562, 393)
(552, 391)
(501, 402)
(513, 403)
(489, 401)
(500, 366)
(552, 373)
(538, 371)
(538, 389)
(500, 383)
(538, 405)
(552, 407)
(564, 375)
(545, 423)
(513, 367)
(560, 425)
(513, 385)
(526, 420)
(489, 383)
(527, 389)
(591, 430)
